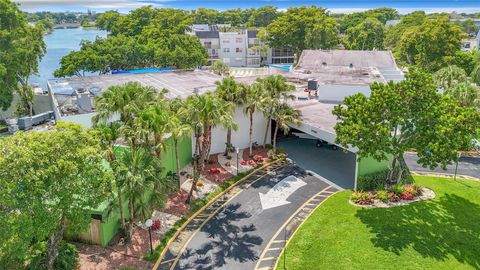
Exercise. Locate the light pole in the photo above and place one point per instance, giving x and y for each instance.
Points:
(238, 151)
(456, 166)
(149, 224)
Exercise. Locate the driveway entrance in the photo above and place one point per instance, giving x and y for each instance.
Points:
(337, 166)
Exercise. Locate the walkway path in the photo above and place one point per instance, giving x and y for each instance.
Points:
(235, 231)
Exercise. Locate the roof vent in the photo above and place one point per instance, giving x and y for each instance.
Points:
(324, 64)
(351, 65)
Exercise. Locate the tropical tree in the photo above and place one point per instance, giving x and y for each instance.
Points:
(253, 102)
(204, 112)
(109, 134)
(419, 46)
(220, 68)
(276, 89)
(21, 48)
(262, 17)
(303, 28)
(47, 179)
(449, 76)
(231, 92)
(466, 93)
(410, 114)
(125, 102)
(284, 115)
(367, 35)
(137, 171)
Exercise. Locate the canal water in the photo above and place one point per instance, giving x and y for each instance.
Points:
(59, 43)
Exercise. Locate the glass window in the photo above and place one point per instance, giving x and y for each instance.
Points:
(226, 50)
(238, 40)
(238, 50)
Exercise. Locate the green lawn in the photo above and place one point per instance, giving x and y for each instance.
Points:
(443, 233)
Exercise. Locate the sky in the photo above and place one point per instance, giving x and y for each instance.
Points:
(336, 6)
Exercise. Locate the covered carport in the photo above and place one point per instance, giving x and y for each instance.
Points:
(339, 166)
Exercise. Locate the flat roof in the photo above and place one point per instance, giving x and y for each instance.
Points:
(342, 67)
(179, 83)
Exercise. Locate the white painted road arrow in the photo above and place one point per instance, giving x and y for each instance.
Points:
(277, 196)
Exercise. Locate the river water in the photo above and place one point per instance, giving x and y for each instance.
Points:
(59, 43)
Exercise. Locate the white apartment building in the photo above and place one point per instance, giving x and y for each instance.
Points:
(238, 47)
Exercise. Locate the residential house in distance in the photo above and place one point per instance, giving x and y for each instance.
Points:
(238, 46)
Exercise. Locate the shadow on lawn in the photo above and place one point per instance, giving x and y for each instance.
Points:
(227, 241)
(449, 226)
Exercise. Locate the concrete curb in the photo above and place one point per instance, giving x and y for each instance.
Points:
(446, 175)
(199, 211)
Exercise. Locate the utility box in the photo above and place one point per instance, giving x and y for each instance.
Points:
(25, 123)
(312, 85)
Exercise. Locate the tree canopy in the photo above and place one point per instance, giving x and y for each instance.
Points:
(425, 41)
(21, 48)
(367, 35)
(48, 178)
(410, 114)
(146, 37)
(303, 28)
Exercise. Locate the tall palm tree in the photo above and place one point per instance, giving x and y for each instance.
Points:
(125, 100)
(204, 112)
(284, 114)
(276, 90)
(152, 125)
(137, 171)
(253, 102)
(179, 128)
(109, 135)
(230, 91)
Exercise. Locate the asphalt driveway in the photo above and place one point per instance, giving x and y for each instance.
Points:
(236, 235)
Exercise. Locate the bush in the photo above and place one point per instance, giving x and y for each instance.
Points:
(393, 197)
(361, 197)
(67, 259)
(382, 195)
(411, 190)
(372, 181)
(281, 150)
(406, 196)
(397, 189)
(268, 146)
(418, 189)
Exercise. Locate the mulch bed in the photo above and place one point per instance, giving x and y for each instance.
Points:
(176, 205)
(118, 255)
(218, 177)
(255, 151)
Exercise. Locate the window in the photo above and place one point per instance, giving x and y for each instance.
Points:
(226, 50)
(238, 40)
(238, 50)
(207, 45)
(253, 62)
(252, 52)
(226, 41)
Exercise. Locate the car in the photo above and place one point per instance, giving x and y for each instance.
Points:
(322, 143)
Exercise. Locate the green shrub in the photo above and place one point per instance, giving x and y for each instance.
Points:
(372, 181)
(362, 197)
(382, 195)
(281, 150)
(268, 146)
(67, 259)
(397, 189)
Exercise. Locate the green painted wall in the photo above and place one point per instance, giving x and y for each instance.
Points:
(111, 224)
(369, 165)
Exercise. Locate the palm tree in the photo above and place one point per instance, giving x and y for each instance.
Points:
(230, 91)
(109, 134)
(179, 128)
(284, 114)
(276, 90)
(204, 112)
(125, 100)
(152, 125)
(253, 101)
(137, 171)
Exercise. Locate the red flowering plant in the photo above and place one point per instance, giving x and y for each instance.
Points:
(406, 196)
(243, 162)
(156, 224)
